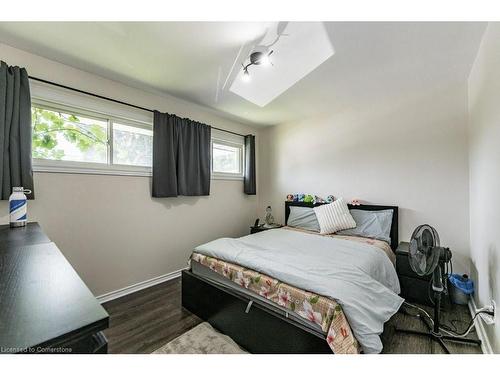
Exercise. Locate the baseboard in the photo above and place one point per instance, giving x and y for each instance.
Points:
(481, 331)
(139, 286)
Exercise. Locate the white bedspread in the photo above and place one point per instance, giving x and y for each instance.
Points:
(359, 276)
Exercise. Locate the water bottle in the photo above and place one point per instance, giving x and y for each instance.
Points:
(18, 204)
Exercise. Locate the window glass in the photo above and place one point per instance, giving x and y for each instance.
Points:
(226, 158)
(63, 136)
(132, 145)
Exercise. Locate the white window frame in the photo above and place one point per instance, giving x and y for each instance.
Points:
(229, 141)
(66, 166)
(51, 98)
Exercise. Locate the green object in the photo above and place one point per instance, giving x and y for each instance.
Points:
(309, 198)
(47, 124)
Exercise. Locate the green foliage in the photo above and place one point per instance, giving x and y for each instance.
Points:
(63, 136)
(337, 311)
(314, 299)
(47, 125)
(255, 280)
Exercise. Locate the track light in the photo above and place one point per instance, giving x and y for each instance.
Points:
(246, 76)
(265, 60)
(260, 58)
(256, 58)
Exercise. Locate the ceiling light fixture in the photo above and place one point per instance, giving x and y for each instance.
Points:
(265, 60)
(256, 58)
(246, 75)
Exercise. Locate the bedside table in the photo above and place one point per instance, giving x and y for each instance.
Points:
(261, 228)
(414, 288)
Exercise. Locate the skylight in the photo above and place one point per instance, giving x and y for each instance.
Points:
(301, 48)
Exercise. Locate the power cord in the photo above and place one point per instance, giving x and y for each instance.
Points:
(445, 326)
(483, 310)
(455, 331)
(447, 331)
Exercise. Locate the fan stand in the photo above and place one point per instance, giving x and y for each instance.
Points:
(433, 332)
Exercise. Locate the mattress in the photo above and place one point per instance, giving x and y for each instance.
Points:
(208, 274)
(347, 287)
(297, 304)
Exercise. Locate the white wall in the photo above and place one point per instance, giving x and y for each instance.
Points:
(109, 227)
(409, 151)
(484, 162)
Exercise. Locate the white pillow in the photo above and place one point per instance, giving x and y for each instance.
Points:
(334, 216)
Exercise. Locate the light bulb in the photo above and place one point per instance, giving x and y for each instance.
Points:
(265, 60)
(246, 76)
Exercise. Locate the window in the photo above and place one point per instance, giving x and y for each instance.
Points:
(132, 145)
(74, 140)
(108, 139)
(227, 159)
(68, 136)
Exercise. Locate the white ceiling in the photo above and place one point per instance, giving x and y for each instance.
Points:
(193, 60)
(300, 48)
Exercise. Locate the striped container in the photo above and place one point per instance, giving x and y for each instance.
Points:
(18, 207)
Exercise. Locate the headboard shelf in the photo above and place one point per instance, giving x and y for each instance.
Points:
(365, 207)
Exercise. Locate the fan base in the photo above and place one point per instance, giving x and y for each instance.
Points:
(438, 336)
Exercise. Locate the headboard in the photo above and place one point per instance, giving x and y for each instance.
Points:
(366, 207)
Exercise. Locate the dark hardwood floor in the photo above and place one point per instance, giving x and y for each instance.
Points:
(401, 343)
(146, 320)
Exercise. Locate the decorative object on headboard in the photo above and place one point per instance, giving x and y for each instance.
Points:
(318, 200)
(394, 225)
(309, 198)
(355, 201)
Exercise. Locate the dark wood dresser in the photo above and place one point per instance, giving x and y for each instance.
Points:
(44, 305)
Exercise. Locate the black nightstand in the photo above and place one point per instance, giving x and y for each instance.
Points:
(414, 288)
(261, 228)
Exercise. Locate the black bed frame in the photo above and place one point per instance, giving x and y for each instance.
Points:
(364, 207)
(251, 323)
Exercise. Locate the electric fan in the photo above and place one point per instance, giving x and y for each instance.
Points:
(426, 256)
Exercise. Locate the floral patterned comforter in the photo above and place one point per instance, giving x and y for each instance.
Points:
(319, 310)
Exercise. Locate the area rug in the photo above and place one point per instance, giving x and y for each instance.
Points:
(202, 339)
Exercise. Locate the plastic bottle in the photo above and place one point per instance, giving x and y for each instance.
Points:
(18, 207)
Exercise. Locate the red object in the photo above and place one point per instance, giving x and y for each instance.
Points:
(343, 331)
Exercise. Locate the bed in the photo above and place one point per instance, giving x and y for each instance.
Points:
(294, 291)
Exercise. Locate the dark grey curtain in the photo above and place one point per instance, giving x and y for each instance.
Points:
(181, 156)
(15, 130)
(249, 178)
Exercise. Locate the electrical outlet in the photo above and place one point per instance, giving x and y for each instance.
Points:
(487, 318)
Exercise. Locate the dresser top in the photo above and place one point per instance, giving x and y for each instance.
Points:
(403, 248)
(41, 296)
(29, 235)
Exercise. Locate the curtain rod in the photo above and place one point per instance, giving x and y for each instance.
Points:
(114, 100)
